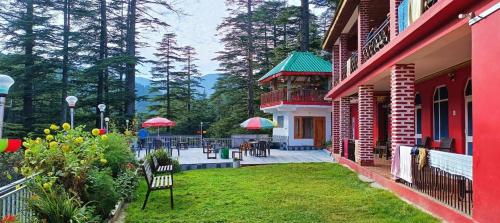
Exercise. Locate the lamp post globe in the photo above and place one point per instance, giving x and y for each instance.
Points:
(107, 124)
(102, 109)
(5, 83)
(71, 103)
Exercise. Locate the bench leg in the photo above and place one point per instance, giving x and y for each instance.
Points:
(171, 198)
(146, 200)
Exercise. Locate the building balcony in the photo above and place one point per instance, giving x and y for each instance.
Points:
(376, 40)
(293, 97)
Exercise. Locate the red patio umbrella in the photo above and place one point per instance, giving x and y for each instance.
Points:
(158, 122)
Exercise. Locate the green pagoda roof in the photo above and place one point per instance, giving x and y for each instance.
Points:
(297, 62)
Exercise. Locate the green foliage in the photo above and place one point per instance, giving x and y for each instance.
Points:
(101, 191)
(126, 183)
(117, 153)
(55, 205)
(77, 162)
(9, 163)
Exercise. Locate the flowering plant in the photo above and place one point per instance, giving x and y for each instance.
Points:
(65, 156)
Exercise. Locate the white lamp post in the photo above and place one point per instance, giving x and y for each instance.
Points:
(71, 103)
(126, 123)
(107, 124)
(5, 83)
(102, 108)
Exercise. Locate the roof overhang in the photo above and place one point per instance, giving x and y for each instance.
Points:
(341, 18)
(290, 73)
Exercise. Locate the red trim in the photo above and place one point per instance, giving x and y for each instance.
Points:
(407, 43)
(290, 73)
(326, 103)
(428, 203)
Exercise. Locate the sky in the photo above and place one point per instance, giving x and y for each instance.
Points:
(197, 29)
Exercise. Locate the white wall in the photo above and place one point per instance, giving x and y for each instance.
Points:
(288, 128)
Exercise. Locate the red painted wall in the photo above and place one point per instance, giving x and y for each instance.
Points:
(456, 105)
(486, 115)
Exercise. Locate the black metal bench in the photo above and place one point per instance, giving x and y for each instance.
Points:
(159, 168)
(163, 182)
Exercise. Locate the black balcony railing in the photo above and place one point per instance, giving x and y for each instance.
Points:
(376, 40)
(353, 62)
(296, 95)
(451, 189)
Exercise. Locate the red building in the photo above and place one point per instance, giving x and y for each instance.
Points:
(420, 72)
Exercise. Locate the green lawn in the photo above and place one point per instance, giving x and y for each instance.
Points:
(322, 192)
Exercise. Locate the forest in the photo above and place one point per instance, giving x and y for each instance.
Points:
(89, 48)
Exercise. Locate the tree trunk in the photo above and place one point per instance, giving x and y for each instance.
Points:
(103, 39)
(250, 81)
(29, 62)
(64, 88)
(189, 86)
(130, 67)
(304, 25)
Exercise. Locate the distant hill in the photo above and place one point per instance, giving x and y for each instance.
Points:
(208, 83)
(142, 85)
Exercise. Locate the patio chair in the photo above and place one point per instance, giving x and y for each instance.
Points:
(380, 147)
(211, 152)
(238, 152)
(164, 182)
(426, 143)
(446, 145)
(261, 150)
(161, 168)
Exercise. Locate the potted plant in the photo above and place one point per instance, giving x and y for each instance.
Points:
(236, 163)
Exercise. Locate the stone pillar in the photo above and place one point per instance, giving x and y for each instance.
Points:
(335, 65)
(365, 110)
(336, 142)
(402, 105)
(393, 18)
(363, 28)
(343, 55)
(345, 120)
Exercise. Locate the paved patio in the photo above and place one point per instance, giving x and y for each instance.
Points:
(194, 158)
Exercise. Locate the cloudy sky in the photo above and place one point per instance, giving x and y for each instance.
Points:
(197, 29)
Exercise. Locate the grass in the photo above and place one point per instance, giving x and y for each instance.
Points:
(321, 192)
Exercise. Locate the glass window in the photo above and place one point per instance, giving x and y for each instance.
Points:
(281, 121)
(307, 130)
(440, 121)
(303, 127)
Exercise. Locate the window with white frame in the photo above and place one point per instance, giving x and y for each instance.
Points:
(440, 113)
(280, 120)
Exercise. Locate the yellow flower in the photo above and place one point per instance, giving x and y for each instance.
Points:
(47, 186)
(54, 127)
(82, 162)
(38, 140)
(128, 133)
(27, 152)
(103, 161)
(79, 140)
(66, 126)
(104, 137)
(52, 145)
(65, 148)
(95, 132)
(49, 137)
(46, 131)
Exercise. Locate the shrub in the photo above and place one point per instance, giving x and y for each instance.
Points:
(56, 206)
(126, 183)
(117, 153)
(101, 191)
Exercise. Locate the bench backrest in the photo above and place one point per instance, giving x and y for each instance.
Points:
(148, 172)
(155, 162)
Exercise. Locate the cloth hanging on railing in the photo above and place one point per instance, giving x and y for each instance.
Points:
(452, 163)
(415, 9)
(405, 163)
(395, 163)
(402, 15)
(422, 158)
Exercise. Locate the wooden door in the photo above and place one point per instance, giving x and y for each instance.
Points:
(319, 132)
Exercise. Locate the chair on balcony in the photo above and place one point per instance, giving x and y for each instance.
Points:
(446, 145)
(425, 143)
